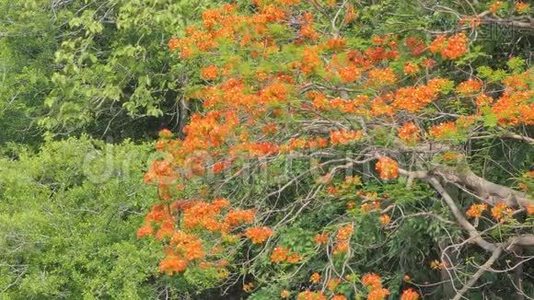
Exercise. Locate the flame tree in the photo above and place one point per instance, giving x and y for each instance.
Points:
(327, 161)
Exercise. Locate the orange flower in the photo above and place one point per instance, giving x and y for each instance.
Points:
(409, 294)
(382, 77)
(343, 136)
(294, 258)
(285, 294)
(338, 297)
(469, 87)
(145, 230)
(333, 283)
(258, 235)
(501, 212)
(409, 133)
(411, 68)
(414, 98)
(483, 100)
(349, 73)
(372, 281)
(416, 45)
(530, 209)
(378, 294)
(172, 264)
(452, 48)
(310, 60)
(387, 168)
(495, 6)
(237, 217)
(321, 238)
(306, 30)
(344, 233)
(308, 295)
(336, 44)
(350, 14)
(173, 43)
(220, 166)
(385, 220)
(522, 7)
(437, 265)
(209, 73)
(476, 210)
(279, 254)
(315, 278)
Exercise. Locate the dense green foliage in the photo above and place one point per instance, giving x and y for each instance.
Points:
(68, 217)
(100, 67)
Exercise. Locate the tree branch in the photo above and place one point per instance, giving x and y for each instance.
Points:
(494, 256)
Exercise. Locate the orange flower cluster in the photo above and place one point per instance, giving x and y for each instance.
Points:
(315, 278)
(258, 235)
(372, 280)
(522, 7)
(161, 172)
(378, 294)
(410, 294)
(333, 283)
(411, 68)
(483, 100)
(476, 210)
(350, 14)
(336, 44)
(283, 254)
(501, 212)
(173, 44)
(158, 218)
(321, 238)
(409, 133)
(307, 31)
(452, 48)
(183, 249)
(343, 136)
(416, 45)
(184, 246)
(495, 6)
(469, 87)
(172, 264)
(379, 77)
(259, 149)
(343, 239)
(209, 72)
(514, 108)
(309, 295)
(387, 168)
(437, 265)
(374, 283)
(384, 219)
(204, 215)
(311, 61)
(416, 98)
